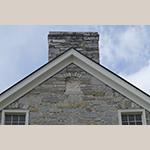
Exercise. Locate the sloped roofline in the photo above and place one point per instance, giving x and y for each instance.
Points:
(73, 56)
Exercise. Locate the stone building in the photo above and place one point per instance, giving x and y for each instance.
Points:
(74, 89)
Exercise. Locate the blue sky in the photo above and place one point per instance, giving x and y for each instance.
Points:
(124, 50)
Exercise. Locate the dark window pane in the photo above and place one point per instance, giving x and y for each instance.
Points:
(7, 123)
(15, 123)
(132, 123)
(8, 118)
(124, 123)
(15, 118)
(22, 118)
(21, 123)
(138, 117)
(131, 117)
(124, 117)
(138, 123)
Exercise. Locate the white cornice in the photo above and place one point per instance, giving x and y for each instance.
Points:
(86, 64)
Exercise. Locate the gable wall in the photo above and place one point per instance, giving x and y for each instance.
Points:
(79, 99)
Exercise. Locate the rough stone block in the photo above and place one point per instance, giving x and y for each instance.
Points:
(34, 109)
(16, 105)
(64, 116)
(36, 100)
(113, 114)
(98, 119)
(102, 108)
(43, 109)
(24, 99)
(64, 105)
(35, 114)
(80, 105)
(50, 99)
(101, 94)
(55, 110)
(74, 110)
(59, 41)
(97, 102)
(95, 81)
(110, 102)
(89, 98)
(89, 115)
(109, 94)
(73, 98)
(26, 106)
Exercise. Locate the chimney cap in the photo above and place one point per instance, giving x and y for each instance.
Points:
(65, 33)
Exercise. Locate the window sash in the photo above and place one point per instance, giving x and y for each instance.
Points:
(16, 121)
(131, 119)
(136, 112)
(13, 113)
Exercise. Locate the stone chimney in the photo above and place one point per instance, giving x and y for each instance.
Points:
(84, 42)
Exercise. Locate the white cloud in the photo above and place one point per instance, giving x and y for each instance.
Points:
(132, 42)
(140, 79)
(128, 46)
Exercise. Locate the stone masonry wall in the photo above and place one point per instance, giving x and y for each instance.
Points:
(85, 42)
(73, 97)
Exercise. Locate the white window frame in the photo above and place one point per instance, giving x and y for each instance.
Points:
(132, 111)
(16, 112)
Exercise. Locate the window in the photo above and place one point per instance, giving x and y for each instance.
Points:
(132, 117)
(14, 117)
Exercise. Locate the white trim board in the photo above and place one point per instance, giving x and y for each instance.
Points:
(72, 56)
